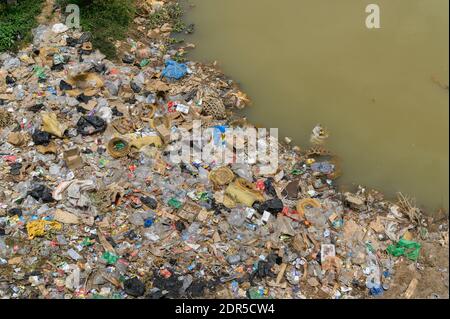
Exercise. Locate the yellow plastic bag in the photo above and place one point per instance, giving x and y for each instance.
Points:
(51, 125)
(241, 191)
(40, 227)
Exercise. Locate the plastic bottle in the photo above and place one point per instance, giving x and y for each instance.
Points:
(191, 234)
(3, 248)
(203, 175)
(19, 93)
(373, 280)
(236, 217)
(234, 259)
(316, 217)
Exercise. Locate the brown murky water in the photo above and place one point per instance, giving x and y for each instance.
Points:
(378, 91)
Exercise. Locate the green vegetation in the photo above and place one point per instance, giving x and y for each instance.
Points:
(107, 20)
(170, 13)
(16, 22)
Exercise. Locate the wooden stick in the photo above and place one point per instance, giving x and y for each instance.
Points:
(411, 288)
(281, 273)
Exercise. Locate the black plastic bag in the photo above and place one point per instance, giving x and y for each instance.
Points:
(128, 59)
(149, 202)
(63, 85)
(36, 108)
(15, 211)
(136, 88)
(88, 125)
(41, 138)
(134, 287)
(268, 187)
(41, 192)
(10, 80)
(14, 168)
(273, 206)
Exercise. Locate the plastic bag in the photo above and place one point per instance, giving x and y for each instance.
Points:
(88, 125)
(134, 287)
(174, 70)
(51, 125)
(410, 249)
(41, 192)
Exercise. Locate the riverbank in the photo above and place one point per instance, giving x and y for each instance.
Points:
(92, 204)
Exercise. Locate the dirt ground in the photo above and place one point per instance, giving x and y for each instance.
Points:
(432, 274)
(47, 15)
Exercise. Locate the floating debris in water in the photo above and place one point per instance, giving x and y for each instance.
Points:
(319, 135)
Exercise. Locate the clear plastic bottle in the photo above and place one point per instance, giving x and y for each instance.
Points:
(191, 234)
(316, 217)
(203, 175)
(3, 248)
(373, 279)
(236, 217)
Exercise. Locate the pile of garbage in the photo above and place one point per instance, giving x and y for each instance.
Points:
(92, 206)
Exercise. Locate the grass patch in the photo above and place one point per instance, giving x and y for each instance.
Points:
(170, 13)
(107, 20)
(16, 22)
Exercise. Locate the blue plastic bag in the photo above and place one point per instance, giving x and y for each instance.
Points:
(376, 291)
(174, 70)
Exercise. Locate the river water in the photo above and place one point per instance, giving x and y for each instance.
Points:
(380, 92)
